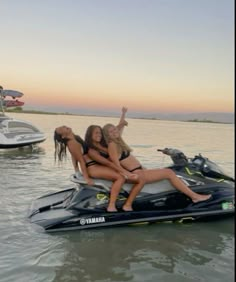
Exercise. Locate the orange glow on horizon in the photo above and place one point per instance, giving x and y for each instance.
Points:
(154, 100)
(142, 106)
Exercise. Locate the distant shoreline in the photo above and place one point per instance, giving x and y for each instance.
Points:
(19, 110)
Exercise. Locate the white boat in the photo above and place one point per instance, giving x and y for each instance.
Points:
(16, 133)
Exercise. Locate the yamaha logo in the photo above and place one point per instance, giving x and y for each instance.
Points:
(92, 220)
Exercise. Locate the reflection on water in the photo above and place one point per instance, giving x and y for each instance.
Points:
(22, 153)
(143, 253)
(18, 165)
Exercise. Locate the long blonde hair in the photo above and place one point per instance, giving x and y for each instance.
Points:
(121, 145)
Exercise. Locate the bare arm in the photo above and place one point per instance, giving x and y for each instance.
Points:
(75, 164)
(113, 153)
(93, 154)
(76, 155)
(122, 122)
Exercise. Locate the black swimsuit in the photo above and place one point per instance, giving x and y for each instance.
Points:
(90, 163)
(124, 155)
(103, 154)
(139, 167)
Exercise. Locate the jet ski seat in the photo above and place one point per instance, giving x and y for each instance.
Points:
(153, 188)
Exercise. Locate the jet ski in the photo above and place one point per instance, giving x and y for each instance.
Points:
(82, 206)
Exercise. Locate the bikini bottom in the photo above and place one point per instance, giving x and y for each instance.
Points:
(90, 163)
(139, 167)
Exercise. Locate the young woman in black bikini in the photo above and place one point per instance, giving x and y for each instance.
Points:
(120, 154)
(64, 138)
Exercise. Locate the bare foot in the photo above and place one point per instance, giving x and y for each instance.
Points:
(111, 209)
(127, 208)
(201, 198)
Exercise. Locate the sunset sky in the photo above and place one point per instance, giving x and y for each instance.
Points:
(149, 55)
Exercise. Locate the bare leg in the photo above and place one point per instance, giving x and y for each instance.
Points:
(134, 192)
(152, 175)
(115, 190)
(103, 172)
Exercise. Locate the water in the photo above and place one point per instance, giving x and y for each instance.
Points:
(160, 252)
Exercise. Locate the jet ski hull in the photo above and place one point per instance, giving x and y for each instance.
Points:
(134, 218)
(73, 209)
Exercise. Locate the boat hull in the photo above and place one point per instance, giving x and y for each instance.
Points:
(16, 133)
(20, 144)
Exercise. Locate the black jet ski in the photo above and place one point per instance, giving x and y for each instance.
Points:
(82, 206)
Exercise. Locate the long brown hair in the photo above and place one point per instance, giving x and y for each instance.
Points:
(61, 146)
(121, 145)
(89, 140)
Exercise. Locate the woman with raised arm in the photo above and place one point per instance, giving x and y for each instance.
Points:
(120, 154)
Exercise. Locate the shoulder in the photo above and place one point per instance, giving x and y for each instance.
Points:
(79, 139)
(73, 145)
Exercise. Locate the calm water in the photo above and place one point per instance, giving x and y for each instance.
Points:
(160, 252)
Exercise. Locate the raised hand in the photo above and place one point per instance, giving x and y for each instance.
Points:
(124, 110)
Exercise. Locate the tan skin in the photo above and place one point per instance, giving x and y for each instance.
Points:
(75, 150)
(98, 170)
(149, 175)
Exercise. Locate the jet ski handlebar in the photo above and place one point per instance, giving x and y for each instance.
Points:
(199, 162)
(176, 155)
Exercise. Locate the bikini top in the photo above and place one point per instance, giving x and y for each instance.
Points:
(103, 154)
(124, 155)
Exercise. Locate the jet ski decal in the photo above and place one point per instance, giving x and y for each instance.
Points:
(92, 220)
(193, 172)
(220, 180)
(103, 197)
(227, 206)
